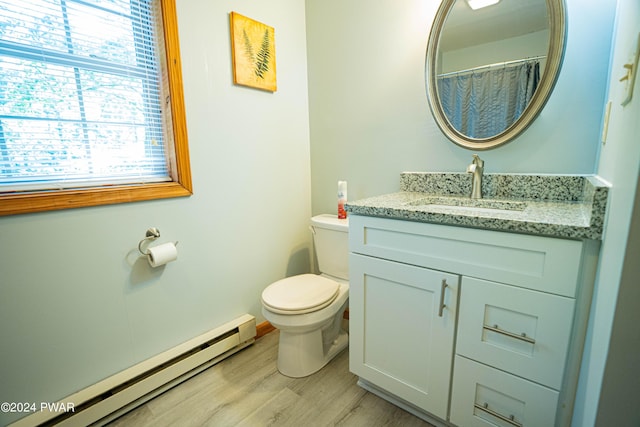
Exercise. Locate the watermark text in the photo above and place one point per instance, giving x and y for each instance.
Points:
(29, 407)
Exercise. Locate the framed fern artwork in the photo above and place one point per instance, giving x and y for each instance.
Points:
(254, 53)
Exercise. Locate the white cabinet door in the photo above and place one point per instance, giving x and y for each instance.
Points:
(402, 324)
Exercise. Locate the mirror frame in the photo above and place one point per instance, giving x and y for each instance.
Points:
(555, 53)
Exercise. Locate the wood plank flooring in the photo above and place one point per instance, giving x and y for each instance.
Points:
(247, 390)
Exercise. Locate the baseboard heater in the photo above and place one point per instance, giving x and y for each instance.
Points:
(103, 402)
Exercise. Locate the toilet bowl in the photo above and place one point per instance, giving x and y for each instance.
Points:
(308, 309)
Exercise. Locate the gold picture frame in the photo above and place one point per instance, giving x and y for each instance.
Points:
(253, 52)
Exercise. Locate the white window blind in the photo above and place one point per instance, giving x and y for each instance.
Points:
(80, 94)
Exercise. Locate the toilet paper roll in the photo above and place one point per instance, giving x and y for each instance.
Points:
(162, 254)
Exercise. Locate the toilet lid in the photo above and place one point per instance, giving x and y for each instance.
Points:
(300, 294)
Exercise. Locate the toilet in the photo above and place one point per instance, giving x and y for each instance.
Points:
(308, 308)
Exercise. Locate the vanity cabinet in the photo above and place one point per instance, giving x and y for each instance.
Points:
(465, 326)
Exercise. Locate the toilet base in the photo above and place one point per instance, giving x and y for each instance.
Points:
(302, 354)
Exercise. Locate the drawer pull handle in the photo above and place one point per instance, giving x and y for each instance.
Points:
(442, 304)
(510, 419)
(522, 337)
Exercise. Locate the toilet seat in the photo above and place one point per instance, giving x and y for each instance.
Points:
(300, 294)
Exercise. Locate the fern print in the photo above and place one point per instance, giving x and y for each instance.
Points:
(262, 59)
(248, 48)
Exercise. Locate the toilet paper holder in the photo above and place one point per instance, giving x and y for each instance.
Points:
(151, 234)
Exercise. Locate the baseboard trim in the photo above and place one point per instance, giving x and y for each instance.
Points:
(263, 329)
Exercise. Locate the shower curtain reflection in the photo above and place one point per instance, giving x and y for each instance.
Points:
(484, 102)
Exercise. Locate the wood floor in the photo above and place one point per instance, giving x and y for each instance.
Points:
(247, 390)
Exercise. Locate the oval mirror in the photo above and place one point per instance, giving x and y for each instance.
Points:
(489, 71)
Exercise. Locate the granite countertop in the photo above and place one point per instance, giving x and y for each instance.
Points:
(567, 206)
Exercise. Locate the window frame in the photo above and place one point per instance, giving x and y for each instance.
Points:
(181, 186)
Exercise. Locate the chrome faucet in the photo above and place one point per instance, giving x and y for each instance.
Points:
(476, 168)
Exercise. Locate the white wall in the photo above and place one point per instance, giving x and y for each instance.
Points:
(616, 284)
(76, 305)
(618, 404)
(369, 114)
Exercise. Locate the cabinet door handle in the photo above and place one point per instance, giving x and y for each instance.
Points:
(442, 304)
(510, 419)
(522, 337)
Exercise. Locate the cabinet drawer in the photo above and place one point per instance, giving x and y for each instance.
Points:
(483, 396)
(493, 318)
(539, 263)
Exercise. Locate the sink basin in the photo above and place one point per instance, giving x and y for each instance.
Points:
(470, 205)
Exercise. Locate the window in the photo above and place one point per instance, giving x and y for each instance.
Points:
(91, 105)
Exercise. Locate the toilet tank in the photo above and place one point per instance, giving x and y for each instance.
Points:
(331, 239)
